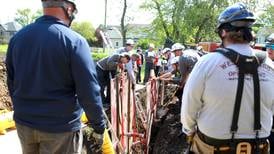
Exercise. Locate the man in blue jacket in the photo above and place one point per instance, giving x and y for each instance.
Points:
(51, 79)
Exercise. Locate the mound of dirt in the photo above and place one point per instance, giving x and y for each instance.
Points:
(5, 101)
(167, 135)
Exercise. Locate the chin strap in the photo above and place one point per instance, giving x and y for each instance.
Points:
(61, 4)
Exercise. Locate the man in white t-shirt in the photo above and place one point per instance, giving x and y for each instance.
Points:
(209, 95)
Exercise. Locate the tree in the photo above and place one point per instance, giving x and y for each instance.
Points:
(143, 43)
(266, 18)
(123, 28)
(186, 21)
(86, 30)
(25, 16)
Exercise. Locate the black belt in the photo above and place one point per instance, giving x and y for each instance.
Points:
(227, 142)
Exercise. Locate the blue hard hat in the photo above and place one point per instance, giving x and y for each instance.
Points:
(235, 15)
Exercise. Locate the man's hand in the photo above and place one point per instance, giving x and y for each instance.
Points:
(94, 140)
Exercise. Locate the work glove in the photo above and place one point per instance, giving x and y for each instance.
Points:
(94, 140)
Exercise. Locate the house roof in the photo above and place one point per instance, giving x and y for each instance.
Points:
(12, 26)
(134, 30)
(2, 28)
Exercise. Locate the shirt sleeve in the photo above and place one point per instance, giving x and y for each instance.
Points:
(87, 87)
(192, 98)
(113, 61)
(10, 70)
(130, 71)
(183, 67)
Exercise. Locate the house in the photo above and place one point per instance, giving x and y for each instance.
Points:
(134, 31)
(7, 31)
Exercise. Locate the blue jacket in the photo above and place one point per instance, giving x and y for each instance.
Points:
(51, 77)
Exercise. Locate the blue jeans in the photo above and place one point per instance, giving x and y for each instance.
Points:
(34, 141)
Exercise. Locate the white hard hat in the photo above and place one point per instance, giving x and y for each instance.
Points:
(130, 42)
(151, 45)
(199, 48)
(164, 61)
(177, 46)
(175, 60)
(166, 50)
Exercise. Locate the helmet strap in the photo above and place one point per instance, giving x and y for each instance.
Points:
(64, 5)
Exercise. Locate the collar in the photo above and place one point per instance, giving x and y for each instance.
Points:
(243, 49)
(50, 19)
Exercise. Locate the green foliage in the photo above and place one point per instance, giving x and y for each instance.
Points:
(267, 18)
(26, 16)
(143, 43)
(185, 21)
(193, 21)
(3, 48)
(86, 30)
(98, 56)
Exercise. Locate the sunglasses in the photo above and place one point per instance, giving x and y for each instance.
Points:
(270, 46)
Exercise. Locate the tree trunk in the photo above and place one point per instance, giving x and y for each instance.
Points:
(202, 24)
(158, 7)
(123, 27)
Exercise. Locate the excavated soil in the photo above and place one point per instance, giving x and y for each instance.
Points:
(167, 135)
(5, 101)
(166, 132)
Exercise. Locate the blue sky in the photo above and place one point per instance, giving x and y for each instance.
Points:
(89, 10)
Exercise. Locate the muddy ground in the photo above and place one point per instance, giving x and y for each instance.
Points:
(5, 101)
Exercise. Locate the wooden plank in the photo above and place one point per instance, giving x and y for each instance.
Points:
(114, 99)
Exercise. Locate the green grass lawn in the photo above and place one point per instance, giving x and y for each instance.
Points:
(3, 48)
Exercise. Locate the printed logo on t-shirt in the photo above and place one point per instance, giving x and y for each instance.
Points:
(232, 73)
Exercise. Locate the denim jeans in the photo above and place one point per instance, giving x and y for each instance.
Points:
(34, 141)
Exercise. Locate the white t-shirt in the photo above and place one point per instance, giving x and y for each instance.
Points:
(170, 68)
(209, 97)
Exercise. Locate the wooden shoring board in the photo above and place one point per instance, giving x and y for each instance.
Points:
(148, 127)
(151, 108)
(113, 101)
(131, 115)
(124, 113)
(148, 89)
(162, 92)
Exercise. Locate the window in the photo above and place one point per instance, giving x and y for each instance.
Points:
(117, 44)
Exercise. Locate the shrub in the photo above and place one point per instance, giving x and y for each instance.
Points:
(98, 56)
(3, 48)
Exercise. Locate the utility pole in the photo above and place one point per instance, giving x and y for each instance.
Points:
(105, 24)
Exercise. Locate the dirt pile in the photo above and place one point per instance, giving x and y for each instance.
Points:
(166, 129)
(5, 101)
